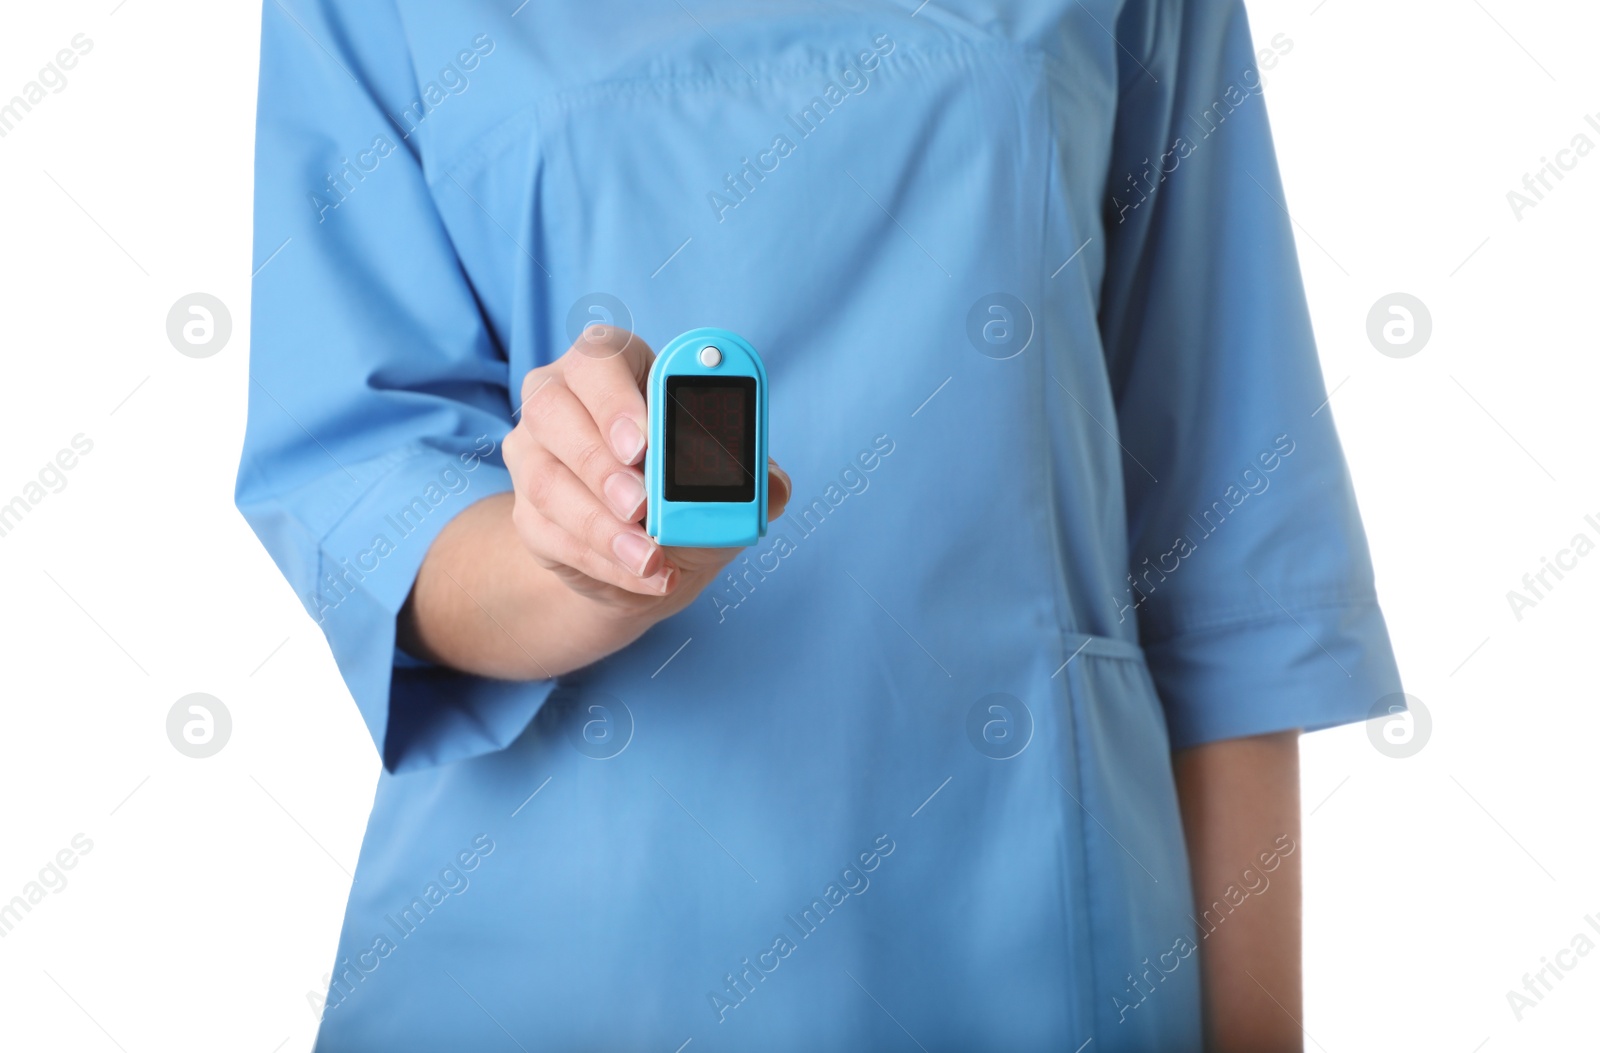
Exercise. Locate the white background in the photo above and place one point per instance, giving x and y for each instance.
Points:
(210, 903)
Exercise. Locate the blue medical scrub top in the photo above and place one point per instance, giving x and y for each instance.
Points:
(1068, 496)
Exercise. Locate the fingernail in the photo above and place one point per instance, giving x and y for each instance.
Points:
(627, 441)
(665, 584)
(625, 493)
(633, 550)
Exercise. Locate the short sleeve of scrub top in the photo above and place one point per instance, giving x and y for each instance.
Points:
(1068, 496)
(1251, 583)
(379, 392)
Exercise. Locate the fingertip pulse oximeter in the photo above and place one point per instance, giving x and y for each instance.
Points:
(705, 466)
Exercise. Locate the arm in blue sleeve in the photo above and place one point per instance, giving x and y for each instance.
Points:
(378, 393)
(1255, 590)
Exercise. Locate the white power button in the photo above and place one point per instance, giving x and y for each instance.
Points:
(710, 357)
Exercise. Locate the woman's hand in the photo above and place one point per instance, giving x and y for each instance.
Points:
(580, 495)
(559, 573)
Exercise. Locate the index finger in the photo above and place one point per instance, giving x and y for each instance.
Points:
(606, 369)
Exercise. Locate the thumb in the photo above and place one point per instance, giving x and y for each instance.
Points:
(779, 489)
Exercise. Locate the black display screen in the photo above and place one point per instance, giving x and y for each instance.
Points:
(711, 438)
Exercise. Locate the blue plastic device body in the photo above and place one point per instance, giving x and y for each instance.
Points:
(705, 523)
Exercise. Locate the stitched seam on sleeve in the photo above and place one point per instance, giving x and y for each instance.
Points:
(1258, 616)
